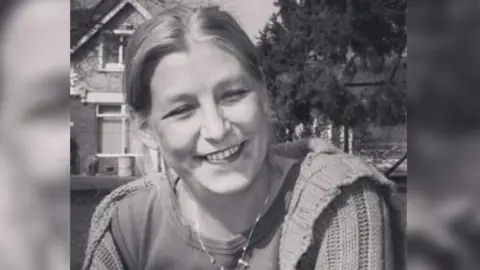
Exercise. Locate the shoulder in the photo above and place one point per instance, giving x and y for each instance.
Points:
(332, 189)
(324, 177)
(328, 166)
(132, 191)
(346, 187)
(336, 170)
(137, 204)
(135, 217)
(124, 194)
(128, 197)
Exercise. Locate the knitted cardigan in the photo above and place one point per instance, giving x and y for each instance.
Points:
(334, 221)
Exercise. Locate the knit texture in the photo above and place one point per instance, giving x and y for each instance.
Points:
(340, 215)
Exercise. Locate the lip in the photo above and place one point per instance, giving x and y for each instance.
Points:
(229, 159)
(223, 149)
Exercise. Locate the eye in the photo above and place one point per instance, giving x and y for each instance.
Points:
(234, 95)
(182, 111)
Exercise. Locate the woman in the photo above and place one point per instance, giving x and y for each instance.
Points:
(196, 92)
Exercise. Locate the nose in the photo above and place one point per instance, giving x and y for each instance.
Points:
(215, 126)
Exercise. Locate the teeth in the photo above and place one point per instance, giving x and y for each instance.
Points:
(224, 154)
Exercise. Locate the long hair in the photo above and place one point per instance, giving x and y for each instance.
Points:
(175, 30)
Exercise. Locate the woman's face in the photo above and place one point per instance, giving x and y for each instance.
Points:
(210, 119)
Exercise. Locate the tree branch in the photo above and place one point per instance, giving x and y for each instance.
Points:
(364, 84)
(396, 165)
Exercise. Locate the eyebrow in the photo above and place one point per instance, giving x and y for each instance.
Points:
(223, 83)
(179, 98)
(229, 81)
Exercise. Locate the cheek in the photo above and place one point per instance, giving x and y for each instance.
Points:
(249, 115)
(177, 140)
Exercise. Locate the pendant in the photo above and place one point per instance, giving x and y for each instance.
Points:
(243, 264)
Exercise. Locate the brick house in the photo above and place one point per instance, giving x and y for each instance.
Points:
(99, 127)
(100, 30)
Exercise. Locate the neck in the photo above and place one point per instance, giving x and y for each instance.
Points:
(225, 216)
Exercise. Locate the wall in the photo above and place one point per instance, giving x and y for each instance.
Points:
(84, 133)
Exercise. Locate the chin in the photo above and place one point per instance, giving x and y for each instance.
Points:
(229, 184)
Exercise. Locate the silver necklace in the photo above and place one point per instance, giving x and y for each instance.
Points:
(242, 262)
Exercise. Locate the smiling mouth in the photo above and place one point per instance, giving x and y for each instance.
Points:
(226, 155)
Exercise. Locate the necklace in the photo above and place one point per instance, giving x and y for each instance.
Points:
(242, 260)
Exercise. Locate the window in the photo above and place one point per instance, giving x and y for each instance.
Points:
(113, 132)
(109, 110)
(110, 131)
(112, 50)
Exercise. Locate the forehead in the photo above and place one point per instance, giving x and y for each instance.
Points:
(203, 67)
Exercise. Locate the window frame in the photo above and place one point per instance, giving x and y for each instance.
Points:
(120, 65)
(125, 150)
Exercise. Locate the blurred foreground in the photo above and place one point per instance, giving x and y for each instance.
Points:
(34, 187)
(444, 134)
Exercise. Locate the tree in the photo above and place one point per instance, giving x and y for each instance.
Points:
(73, 156)
(311, 50)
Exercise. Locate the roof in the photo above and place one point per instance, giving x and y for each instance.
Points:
(87, 18)
(84, 16)
(83, 4)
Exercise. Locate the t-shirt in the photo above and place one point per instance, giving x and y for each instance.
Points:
(149, 234)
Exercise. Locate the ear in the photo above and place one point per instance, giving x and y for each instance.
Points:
(147, 139)
(144, 132)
